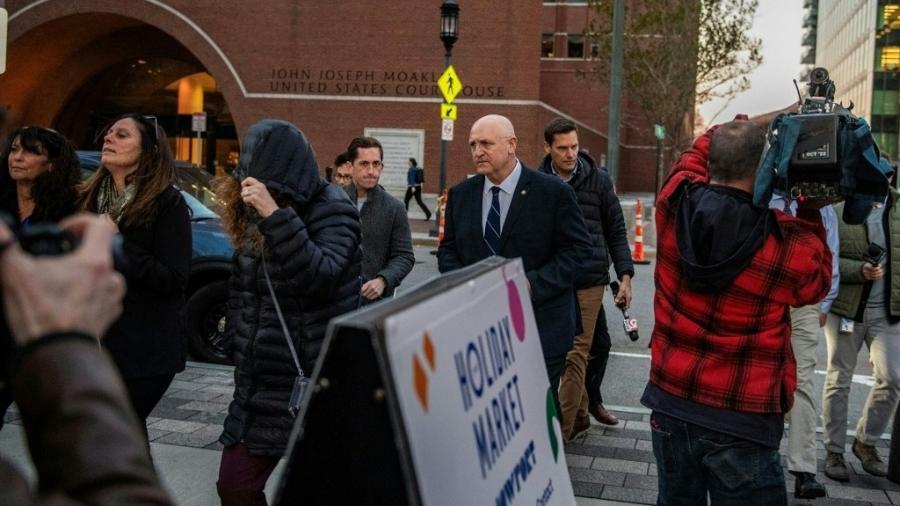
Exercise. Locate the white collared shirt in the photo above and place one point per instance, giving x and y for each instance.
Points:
(507, 187)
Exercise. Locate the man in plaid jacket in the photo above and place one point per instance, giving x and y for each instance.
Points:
(722, 372)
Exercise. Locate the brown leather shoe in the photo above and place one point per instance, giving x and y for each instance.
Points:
(868, 456)
(581, 425)
(602, 415)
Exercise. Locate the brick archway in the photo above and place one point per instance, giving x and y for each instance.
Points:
(56, 46)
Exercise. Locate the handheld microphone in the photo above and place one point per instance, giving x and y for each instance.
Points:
(629, 323)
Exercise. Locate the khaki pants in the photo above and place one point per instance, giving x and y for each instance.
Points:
(573, 397)
(805, 334)
(883, 341)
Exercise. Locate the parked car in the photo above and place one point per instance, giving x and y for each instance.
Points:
(211, 261)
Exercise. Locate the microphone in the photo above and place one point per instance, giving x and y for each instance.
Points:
(629, 323)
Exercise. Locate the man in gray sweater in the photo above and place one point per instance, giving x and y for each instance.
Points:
(386, 239)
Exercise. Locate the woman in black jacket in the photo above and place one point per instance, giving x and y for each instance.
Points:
(39, 171)
(279, 211)
(134, 187)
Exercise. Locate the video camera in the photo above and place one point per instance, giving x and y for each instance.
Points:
(815, 170)
(823, 152)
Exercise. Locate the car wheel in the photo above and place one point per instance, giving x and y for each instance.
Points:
(206, 323)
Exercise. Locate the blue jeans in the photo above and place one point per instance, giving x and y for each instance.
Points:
(694, 462)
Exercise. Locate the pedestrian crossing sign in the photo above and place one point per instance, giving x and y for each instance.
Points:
(449, 84)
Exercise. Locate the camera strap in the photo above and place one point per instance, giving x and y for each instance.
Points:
(284, 328)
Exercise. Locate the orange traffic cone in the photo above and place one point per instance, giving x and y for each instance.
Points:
(638, 256)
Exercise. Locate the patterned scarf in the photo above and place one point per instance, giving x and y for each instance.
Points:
(110, 201)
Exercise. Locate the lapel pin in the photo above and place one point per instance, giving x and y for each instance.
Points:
(523, 192)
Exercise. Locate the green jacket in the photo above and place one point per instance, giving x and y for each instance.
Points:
(854, 239)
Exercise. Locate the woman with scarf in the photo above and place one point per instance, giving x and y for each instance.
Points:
(39, 171)
(134, 187)
(296, 239)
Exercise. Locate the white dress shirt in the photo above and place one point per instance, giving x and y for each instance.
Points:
(507, 188)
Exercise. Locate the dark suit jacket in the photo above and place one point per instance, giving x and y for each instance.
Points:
(545, 227)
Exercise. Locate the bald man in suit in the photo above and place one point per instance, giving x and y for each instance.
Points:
(512, 211)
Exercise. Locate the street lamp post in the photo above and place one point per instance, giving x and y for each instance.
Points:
(449, 36)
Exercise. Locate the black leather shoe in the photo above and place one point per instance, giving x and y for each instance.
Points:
(806, 486)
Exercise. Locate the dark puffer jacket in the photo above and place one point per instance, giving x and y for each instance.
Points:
(603, 217)
(313, 259)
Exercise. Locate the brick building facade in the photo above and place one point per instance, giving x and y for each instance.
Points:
(335, 69)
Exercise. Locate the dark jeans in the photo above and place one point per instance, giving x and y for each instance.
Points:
(693, 461)
(243, 477)
(597, 360)
(417, 191)
(145, 394)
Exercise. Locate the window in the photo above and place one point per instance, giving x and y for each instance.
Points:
(547, 45)
(575, 46)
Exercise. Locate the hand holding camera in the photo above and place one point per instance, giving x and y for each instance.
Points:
(75, 292)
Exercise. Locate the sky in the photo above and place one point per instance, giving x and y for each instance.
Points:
(779, 24)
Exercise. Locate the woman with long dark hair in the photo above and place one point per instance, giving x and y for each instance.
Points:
(297, 243)
(134, 187)
(38, 173)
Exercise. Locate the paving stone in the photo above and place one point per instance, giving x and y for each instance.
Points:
(595, 476)
(582, 461)
(893, 496)
(215, 380)
(178, 426)
(154, 434)
(184, 385)
(220, 389)
(627, 433)
(610, 441)
(857, 494)
(586, 449)
(209, 418)
(627, 416)
(619, 466)
(633, 425)
(215, 446)
(172, 413)
(187, 376)
(194, 395)
(209, 407)
(638, 496)
(869, 481)
(652, 470)
(644, 482)
(196, 439)
(172, 403)
(584, 489)
(635, 455)
(644, 445)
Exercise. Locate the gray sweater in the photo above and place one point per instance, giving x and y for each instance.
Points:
(386, 239)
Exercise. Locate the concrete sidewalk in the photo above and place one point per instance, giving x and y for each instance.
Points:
(607, 465)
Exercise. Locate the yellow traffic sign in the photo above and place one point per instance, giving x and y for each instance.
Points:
(448, 111)
(449, 84)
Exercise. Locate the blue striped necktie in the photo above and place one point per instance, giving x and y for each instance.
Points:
(492, 226)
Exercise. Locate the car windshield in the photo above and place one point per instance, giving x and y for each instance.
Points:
(198, 210)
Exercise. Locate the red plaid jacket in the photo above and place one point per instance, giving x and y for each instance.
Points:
(732, 349)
